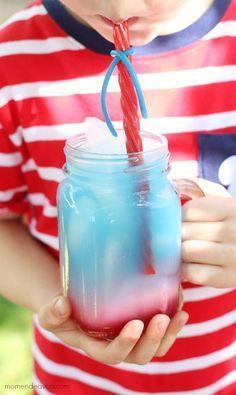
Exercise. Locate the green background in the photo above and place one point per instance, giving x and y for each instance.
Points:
(15, 348)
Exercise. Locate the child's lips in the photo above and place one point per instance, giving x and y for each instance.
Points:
(106, 20)
(111, 23)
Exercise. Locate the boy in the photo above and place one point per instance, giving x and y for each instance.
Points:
(53, 59)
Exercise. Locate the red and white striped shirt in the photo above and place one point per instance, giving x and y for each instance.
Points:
(49, 83)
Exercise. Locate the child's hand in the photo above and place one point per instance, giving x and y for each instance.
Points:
(132, 345)
(209, 238)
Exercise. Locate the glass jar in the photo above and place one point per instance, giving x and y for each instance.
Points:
(119, 232)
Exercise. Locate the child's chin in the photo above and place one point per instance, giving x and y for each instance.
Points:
(135, 39)
(136, 42)
(141, 39)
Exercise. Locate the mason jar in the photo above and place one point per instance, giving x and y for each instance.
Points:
(120, 233)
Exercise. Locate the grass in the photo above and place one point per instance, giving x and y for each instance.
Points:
(15, 348)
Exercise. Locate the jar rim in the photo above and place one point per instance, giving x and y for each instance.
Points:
(73, 149)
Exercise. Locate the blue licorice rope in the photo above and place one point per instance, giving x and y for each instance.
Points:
(121, 56)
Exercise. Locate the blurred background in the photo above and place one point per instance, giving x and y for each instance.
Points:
(8, 7)
(15, 322)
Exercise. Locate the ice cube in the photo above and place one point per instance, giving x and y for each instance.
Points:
(99, 139)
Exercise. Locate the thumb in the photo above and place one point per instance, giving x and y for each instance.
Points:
(55, 313)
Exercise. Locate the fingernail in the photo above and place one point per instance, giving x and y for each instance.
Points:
(162, 323)
(137, 329)
(183, 321)
(60, 307)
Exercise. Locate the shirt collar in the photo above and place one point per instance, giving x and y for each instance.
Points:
(95, 42)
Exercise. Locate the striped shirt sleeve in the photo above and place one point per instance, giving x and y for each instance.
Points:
(13, 188)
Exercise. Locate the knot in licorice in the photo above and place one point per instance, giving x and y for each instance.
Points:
(121, 56)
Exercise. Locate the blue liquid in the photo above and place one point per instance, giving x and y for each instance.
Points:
(111, 230)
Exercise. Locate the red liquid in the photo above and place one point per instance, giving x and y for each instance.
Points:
(109, 332)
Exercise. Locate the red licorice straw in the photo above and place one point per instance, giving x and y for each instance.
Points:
(129, 101)
(131, 122)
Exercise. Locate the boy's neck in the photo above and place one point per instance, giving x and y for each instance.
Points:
(190, 12)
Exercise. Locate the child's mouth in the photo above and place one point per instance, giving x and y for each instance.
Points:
(111, 23)
(106, 20)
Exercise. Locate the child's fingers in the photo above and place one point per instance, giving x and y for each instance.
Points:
(206, 252)
(104, 351)
(118, 350)
(206, 209)
(176, 324)
(200, 251)
(54, 313)
(188, 188)
(147, 346)
(208, 231)
(181, 299)
(129, 346)
(210, 188)
(199, 274)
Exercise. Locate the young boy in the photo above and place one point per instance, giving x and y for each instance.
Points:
(53, 57)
